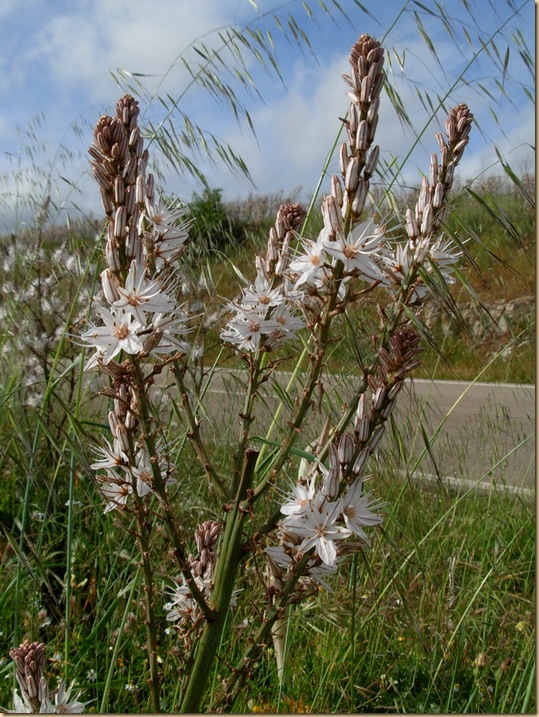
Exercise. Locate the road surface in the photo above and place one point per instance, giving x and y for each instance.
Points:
(451, 429)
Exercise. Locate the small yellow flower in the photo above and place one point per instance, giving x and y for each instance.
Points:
(521, 626)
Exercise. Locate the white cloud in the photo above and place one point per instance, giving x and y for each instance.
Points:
(76, 43)
(81, 45)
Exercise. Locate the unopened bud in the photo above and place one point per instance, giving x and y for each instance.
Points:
(439, 193)
(366, 86)
(371, 163)
(360, 462)
(111, 254)
(362, 136)
(411, 225)
(352, 175)
(379, 398)
(426, 222)
(346, 449)
(433, 175)
(376, 438)
(336, 189)
(118, 190)
(119, 222)
(140, 191)
(343, 158)
(109, 284)
(331, 213)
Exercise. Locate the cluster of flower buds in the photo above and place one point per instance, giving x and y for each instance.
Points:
(141, 318)
(142, 241)
(358, 160)
(288, 221)
(266, 314)
(182, 607)
(424, 247)
(29, 659)
(340, 241)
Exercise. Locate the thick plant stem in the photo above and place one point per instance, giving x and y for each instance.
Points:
(233, 685)
(225, 578)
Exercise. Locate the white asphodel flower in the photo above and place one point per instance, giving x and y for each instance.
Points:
(261, 295)
(445, 255)
(143, 472)
(309, 267)
(119, 333)
(358, 249)
(170, 227)
(299, 500)
(140, 296)
(318, 528)
(289, 323)
(167, 328)
(113, 456)
(59, 702)
(182, 607)
(64, 704)
(248, 328)
(357, 510)
(116, 493)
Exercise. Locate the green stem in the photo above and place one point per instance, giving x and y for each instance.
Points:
(225, 579)
(161, 492)
(257, 643)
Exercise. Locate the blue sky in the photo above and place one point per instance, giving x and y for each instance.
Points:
(58, 57)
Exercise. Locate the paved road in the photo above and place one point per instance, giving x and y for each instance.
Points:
(475, 432)
(489, 432)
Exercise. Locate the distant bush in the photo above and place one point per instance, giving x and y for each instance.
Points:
(214, 226)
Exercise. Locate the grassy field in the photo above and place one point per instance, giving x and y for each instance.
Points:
(437, 616)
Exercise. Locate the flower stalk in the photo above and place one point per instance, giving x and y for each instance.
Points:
(301, 285)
